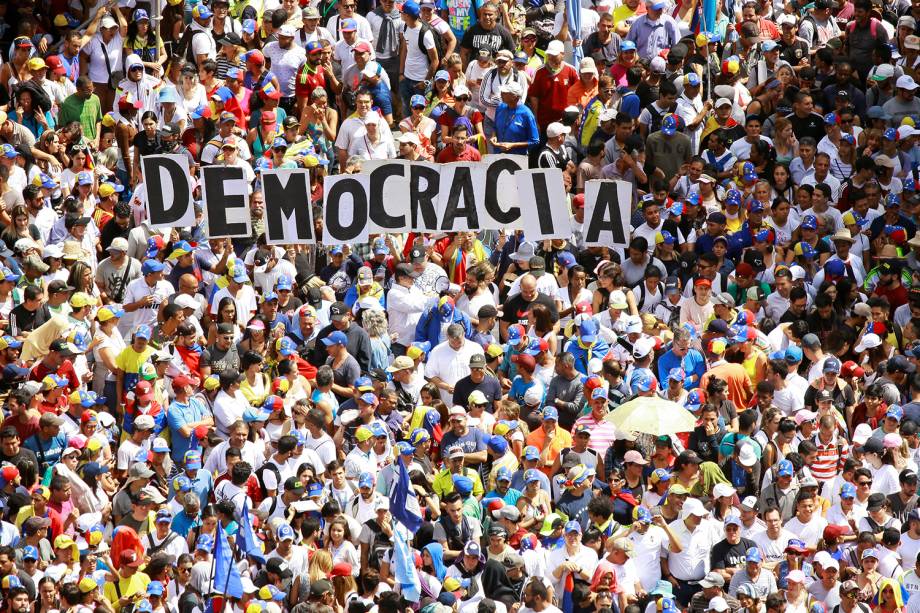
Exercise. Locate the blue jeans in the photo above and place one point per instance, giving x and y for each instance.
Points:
(407, 89)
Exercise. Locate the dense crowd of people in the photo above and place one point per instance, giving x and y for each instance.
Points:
(426, 421)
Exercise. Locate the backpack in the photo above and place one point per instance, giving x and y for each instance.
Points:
(184, 47)
(438, 41)
(656, 118)
(272, 467)
(379, 545)
(643, 291)
(873, 27)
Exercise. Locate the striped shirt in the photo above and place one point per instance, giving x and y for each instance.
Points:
(603, 433)
(830, 458)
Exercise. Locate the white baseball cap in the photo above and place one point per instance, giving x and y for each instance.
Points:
(906, 82)
(555, 129)
(555, 47)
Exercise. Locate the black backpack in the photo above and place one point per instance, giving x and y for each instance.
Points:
(380, 545)
(272, 467)
(438, 41)
(184, 47)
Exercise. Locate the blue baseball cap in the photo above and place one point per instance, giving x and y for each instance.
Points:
(279, 143)
(463, 485)
(193, 460)
(404, 448)
(201, 11)
(8, 151)
(284, 283)
(550, 413)
(155, 588)
(418, 100)
(573, 526)
(669, 125)
(531, 453)
(336, 338)
(144, 605)
(143, 331)
(84, 178)
(205, 542)
(784, 468)
(498, 444)
(627, 45)
(29, 553)
(810, 222)
(249, 26)
(411, 7)
(365, 480)
(531, 475)
(793, 354)
(895, 412)
(588, 330)
(152, 266)
(753, 555)
(892, 201)
(503, 474)
(831, 364)
(677, 374)
(285, 532)
(848, 490)
(441, 75)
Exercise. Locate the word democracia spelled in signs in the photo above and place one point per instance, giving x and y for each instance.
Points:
(389, 196)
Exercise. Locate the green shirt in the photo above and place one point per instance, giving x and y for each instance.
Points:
(88, 112)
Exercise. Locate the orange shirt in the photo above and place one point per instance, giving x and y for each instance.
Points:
(579, 95)
(740, 391)
(561, 440)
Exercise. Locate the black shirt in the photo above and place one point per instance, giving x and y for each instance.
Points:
(494, 40)
(489, 386)
(516, 308)
(726, 555)
(811, 125)
(24, 320)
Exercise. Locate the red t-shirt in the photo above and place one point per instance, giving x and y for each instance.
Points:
(40, 371)
(469, 154)
(552, 90)
(896, 297)
(25, 430)
(307, 80)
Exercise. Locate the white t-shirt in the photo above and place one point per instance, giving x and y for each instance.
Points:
(98, 72)
(285, 63)
(417, 61)
(245, 301)
(138, 289)
(450, 366)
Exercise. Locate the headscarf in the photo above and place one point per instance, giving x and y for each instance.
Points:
(125, 539)
(436, 551)
(710, 476)
(496, 584)
(899, 596)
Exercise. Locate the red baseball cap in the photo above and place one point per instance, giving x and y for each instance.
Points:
(701, 282)
(362, 47)
(55, 65)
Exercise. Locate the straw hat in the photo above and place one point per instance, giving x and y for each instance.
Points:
(888, 252)
(73, 251)
(842, 234)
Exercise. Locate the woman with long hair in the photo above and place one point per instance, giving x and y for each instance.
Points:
(191, 93)
(143, 41)
(572, 291)
(419, 122)
(842, 165)
(48, 598)
(319, 121)
(226, 313)
(784, 141)
(29, 114)
(256, 385)
(320, 565)
(19, 228)
(609, 280)
(340, 546)
(82, 279)
(540, 322)
(534, 503)
(254, 337)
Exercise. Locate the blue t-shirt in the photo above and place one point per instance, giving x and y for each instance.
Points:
(510, 498)
(693, 364)
(179, 415)
(471, 442)
(48, 452)
(461, 14)
(519, 387)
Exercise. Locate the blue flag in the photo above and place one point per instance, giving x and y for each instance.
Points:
(246, 539)
(404, 567)
(403, 503)
(227, 580)
(573, 16)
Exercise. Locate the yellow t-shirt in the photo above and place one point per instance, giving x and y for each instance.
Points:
(135, 584)
(130, 361)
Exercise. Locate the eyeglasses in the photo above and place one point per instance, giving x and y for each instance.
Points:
(864, 483)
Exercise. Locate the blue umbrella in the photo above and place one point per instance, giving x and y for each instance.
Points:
(573, 15)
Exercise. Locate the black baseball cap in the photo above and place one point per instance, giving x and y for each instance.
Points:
(417, 255)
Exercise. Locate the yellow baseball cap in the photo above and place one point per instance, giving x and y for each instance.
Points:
(414, 352)
(87, 584)
(363, 433)
(82, 299)
(37, 63)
